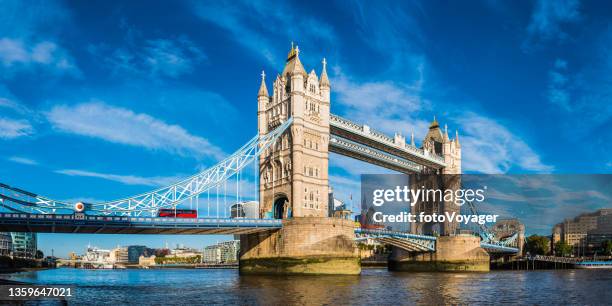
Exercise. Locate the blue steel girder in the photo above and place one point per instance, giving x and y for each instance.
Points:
(371, 138)
(74, 223)
(370, 155)
(498, 248)
(17, 200)
(406, 241)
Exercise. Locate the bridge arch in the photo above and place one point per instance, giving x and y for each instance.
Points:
(281, 208)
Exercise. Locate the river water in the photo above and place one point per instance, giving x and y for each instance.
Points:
(373, 286)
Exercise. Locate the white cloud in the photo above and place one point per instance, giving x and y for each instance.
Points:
(12, 105)
(384, 105)
(17, 53)
(391, 107)
(489, 147)
(10, 129)
(23, 160)
(547, 20)
(120, 125)
(156, 181)
(392, 30)
(257, 25)
(159, 57)
(172, 58)
(558, 91)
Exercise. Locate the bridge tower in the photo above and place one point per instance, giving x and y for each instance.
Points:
(294, 172)
(453, 252)
(294, 182)
(438, 142)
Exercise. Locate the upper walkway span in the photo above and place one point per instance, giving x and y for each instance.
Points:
(397, 146)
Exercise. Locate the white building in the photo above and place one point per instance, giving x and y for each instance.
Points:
(247, 209)
(222, 252)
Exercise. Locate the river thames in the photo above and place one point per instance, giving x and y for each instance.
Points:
(373, 286)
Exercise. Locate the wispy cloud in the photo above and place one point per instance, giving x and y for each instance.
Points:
(393, 31)
(547, 20)
(540, 201)
(155, 58)
(16, 54)
(172, 58)
(260, 25)
(155, 181)
(10, 128)
(23, 160)
(379, 103)
(489, 147)
(14, 106)
(123, 126)
(558, 93)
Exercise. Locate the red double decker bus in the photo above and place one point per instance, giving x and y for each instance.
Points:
(177, 213)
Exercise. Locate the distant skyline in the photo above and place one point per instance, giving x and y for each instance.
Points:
(100, 100)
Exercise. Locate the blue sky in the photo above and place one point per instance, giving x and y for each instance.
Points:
(101, 100)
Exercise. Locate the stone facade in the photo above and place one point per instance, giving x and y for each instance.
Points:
(453, 253)
(437, 142)
(576, 231)
(294, 182)
(293, 172)
(306, 245)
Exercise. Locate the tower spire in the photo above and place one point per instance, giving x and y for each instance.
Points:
(457, 139)
(324, 78)
(293, 64)
(263, 90)
(434, 123)
(412, 139)
(446, 132)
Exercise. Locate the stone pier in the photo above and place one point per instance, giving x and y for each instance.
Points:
(304, 245)
(453, 253)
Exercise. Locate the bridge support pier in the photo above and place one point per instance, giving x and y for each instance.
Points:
(453, 253)
(304, 245)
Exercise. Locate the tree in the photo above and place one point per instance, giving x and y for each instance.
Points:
(563, 249)
(606, 246)
(39, 254)
(537, 245)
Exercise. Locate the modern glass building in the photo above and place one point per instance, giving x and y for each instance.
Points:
(24, 245)
(135, 251)
(6, 244)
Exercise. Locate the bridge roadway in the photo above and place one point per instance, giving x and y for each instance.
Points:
(84, 224)
(70, 223)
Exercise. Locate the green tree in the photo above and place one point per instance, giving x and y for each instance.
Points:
(563, 249)
(537, 245)
(606, 246)
(39, 254)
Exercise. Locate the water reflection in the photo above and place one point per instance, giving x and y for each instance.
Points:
(373, 286)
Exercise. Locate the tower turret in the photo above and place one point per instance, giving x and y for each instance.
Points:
(262, 100)
(324, 83)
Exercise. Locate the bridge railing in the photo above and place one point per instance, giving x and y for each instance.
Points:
(381, 156)
(368, 132)
(9, 217)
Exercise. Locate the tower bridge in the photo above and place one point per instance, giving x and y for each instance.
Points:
(293, 232)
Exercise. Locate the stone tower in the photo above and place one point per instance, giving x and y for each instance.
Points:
(293, 182)
(438, 142)
(293, 172)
